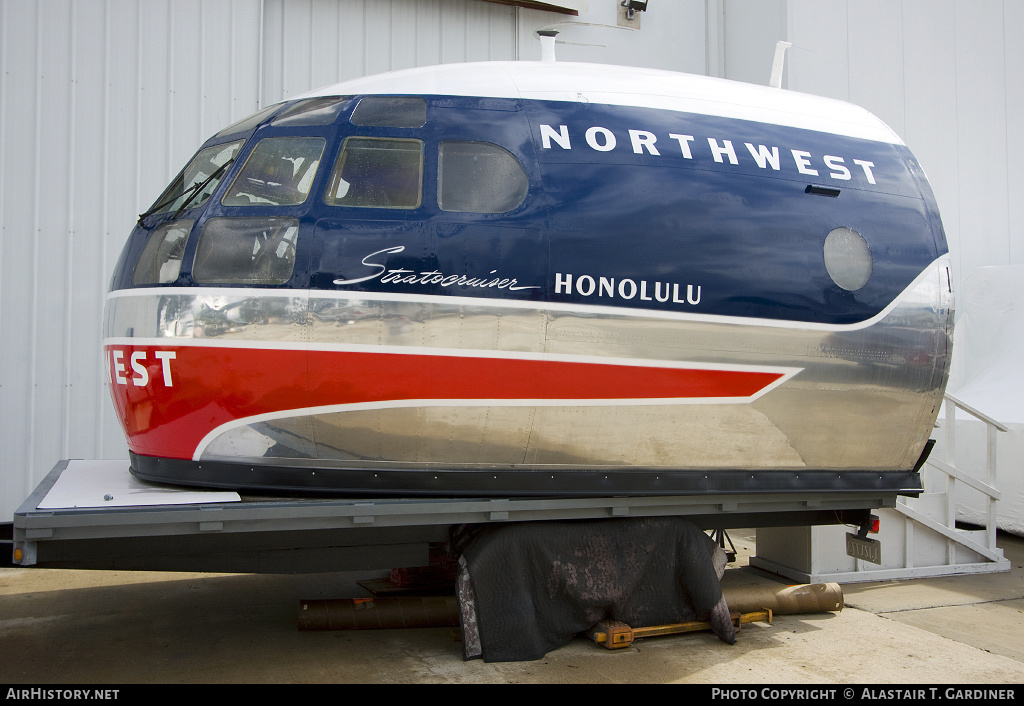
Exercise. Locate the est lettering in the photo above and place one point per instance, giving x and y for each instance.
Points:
(131, 368)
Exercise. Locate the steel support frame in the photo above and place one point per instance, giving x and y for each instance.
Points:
(303, 535)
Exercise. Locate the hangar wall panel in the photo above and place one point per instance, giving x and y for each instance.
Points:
(101, 103)
(750, 30)
(942, 73)
(672, 35)
(312, 43)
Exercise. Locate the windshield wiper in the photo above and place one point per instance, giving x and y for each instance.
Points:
(167, 202)
(216, 175)
(190, 192)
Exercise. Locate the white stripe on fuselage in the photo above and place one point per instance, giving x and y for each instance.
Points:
(930, 271)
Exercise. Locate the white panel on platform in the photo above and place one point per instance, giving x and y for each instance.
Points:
(110, 484)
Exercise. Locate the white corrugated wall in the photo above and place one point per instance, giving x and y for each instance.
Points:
(101, 103)
(946, 75)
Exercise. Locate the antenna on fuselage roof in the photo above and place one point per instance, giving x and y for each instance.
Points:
(547, 43)
(778, 64)
(547, 35)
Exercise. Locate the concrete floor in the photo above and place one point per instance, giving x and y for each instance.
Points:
(88, 627)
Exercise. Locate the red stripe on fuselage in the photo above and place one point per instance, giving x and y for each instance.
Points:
(168, 405)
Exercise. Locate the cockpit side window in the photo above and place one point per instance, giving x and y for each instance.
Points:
(390, 111)
(479, 177)
(313, 111)
(278, 172)
(246, 251)
(249, 123)
(198, 181)
(377, 172)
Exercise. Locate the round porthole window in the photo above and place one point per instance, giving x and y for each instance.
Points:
(847, 258)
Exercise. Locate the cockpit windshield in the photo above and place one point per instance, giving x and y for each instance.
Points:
(199, 179)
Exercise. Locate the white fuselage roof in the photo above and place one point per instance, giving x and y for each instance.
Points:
(625, 86)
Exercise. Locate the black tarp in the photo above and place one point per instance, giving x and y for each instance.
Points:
(527, 588)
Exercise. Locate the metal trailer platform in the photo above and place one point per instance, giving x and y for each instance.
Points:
(95, 515)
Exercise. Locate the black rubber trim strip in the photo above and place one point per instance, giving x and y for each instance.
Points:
(477, 483)
(929, 445)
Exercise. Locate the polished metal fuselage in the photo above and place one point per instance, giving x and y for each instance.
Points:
(861, 397)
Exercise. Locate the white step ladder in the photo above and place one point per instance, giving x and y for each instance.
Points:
(919, 536)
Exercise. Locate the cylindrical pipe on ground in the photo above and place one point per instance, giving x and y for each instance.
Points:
(379, 613)
(443, 611)
(785, 600)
